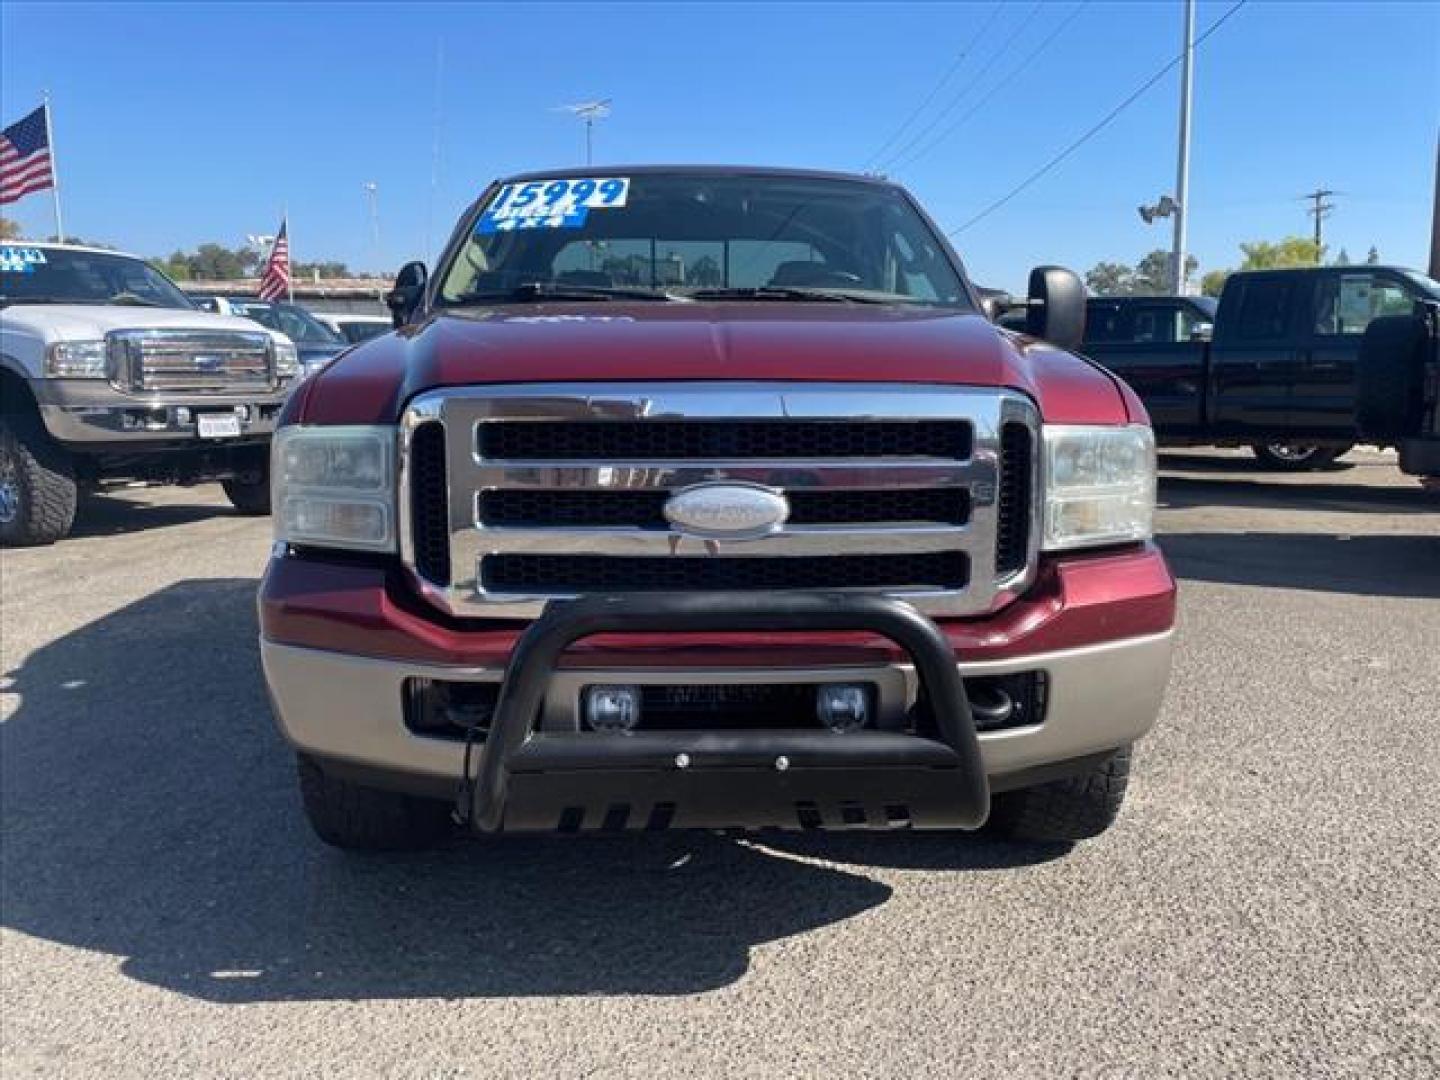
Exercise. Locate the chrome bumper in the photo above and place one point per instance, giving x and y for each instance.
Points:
(92, 411)
(348, 709)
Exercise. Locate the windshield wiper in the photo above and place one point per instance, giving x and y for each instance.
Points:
(788, 292)
(532, 291)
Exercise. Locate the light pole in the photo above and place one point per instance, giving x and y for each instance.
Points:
(589, 111)
(372, 196)
(1182, 177)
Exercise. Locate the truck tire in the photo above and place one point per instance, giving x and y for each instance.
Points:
(1297, 457)
(37, 485)
(1389, 394)
(1075, 808)
(357, 818)
(249, 496)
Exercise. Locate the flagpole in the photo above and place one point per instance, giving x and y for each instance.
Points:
(54, 167)
(289, 258)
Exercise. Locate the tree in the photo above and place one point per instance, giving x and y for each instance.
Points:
(324, 269)
(1292, 251)
(1343, 259)
(1213, 283)
(9, 230)
(1373, 257)
(1109, 279)
(1153, 274)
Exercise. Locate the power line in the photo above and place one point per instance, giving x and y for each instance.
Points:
(945, 112)
(935, 91)
(1059, 29)
(1097, 128)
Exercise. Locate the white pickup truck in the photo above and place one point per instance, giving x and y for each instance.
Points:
(108, 373)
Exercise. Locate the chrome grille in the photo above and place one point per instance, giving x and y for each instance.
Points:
(191, 361)
(557, 490)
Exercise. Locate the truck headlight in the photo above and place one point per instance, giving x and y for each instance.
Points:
(1099, 485)
(287, 360)
(76, 360)
(334, 487)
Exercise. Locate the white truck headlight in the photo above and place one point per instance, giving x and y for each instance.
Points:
(1099, 485)
(334, 487)
(76, 360)
(287, 360)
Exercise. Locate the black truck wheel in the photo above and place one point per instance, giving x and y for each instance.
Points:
(1297, 457)
(1075, 808)
(357, 818)
(37, 485)
(249, 496)
(1389, 393)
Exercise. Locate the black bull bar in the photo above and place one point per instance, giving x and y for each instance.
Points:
(529, 780)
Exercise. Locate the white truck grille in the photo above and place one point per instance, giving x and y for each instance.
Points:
(191, 361)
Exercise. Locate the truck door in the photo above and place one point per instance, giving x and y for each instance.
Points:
(1345, 302)
(1147, 343)
(1255, 356)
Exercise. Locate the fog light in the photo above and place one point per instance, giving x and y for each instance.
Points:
(843, 707)
(612, 708)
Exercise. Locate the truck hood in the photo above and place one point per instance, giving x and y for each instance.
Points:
(779, 342)
(89, 322)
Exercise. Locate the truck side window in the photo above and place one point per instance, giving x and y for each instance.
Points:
(1348, 303)
(1265, 309)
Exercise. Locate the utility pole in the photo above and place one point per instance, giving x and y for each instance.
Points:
(1182, 178)
(589, 111)
(1435, 220)
(1320, 211)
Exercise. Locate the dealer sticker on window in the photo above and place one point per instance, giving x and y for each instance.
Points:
(20, 260)
(552, 204)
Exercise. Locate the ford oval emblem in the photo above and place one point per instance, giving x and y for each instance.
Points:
(724, 510)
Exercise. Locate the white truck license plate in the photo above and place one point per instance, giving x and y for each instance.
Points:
(217, 425)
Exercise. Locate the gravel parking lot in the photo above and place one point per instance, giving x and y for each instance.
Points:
(1269, 903)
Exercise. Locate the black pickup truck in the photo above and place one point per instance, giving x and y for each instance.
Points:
(1280, 368)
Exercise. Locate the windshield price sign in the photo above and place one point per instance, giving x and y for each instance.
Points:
(18, 260)
(552, 204)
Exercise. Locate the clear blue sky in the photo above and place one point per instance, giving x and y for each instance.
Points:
(181, 123)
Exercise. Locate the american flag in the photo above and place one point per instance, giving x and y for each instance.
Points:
(25, 157)
(275, 281)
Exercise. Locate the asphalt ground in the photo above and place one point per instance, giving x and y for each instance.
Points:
(1268, 904)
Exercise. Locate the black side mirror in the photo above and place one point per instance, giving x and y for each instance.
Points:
(1056, 312)
(405, 298)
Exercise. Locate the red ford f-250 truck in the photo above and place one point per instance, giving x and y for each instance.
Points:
(698, 497)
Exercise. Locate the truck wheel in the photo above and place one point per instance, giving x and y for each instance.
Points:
(1297, 457)
(1075, 808)
(249, 494)
(1389, 396)
(356, 818)
(37, 485)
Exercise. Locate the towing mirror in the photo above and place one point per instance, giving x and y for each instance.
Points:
(405, 298)
(1056, 311)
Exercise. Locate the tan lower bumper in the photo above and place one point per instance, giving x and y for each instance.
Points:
(348, 708)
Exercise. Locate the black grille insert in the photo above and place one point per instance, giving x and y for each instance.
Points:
(546, 575)
(1012, 533)
(688, 440)
(429, 505)
(520, 508)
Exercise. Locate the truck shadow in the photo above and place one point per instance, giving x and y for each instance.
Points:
(1247, 491)
(111, 513)
(150, 813)
(1368, 565)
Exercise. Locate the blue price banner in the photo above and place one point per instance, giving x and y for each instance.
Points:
(552, 204)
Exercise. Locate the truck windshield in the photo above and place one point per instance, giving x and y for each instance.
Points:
(48, 275)
(703, 236)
